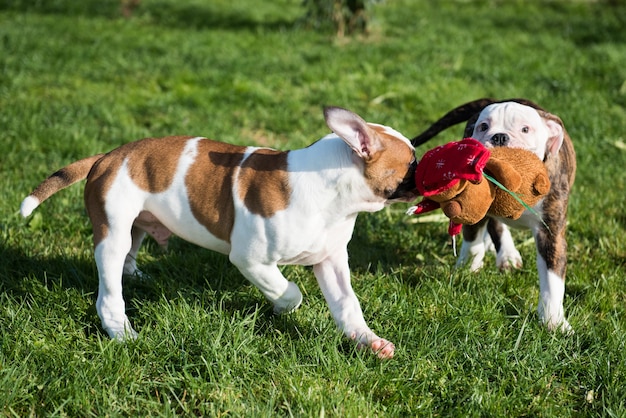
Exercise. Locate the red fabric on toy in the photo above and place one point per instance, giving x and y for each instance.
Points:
(426, 205)
(443, 166)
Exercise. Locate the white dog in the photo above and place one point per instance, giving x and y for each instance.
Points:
(262, 207)
(519, 123)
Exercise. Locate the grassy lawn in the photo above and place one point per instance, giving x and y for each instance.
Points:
(77, 79)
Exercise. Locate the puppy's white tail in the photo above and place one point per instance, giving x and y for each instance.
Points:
(63, 178)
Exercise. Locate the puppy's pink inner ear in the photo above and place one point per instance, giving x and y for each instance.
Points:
(555, 139)
(365, 143)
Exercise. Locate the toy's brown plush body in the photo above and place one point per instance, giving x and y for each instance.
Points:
(534, 182)
(520, 171)
(468, 201)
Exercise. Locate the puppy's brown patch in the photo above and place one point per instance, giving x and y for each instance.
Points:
(263, 182)
(209, 185)
(98, 183)
(152, 162)
(151, 165)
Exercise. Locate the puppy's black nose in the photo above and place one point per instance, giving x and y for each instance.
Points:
(499, 139)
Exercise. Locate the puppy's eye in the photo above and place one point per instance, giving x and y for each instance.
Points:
(483, 127)
(525, 130)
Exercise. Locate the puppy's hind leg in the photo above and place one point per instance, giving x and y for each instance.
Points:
(551, 265)
(144, 223)
(130, 263)
(113, 242)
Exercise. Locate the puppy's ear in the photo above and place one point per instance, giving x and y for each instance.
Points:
(353, 130)
(555, 140)
(471, 124)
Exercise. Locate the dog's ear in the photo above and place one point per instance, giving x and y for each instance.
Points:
(556, 132)
(353, 130)
(469, 128)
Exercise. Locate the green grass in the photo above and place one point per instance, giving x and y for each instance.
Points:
(76, 79)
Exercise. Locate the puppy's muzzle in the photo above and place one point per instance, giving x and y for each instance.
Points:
(499, 140)
(407, 189)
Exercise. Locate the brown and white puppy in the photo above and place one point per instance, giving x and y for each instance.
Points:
(519, 123)
(262, 207)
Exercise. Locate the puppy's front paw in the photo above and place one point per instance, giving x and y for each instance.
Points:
(565, 328)
(556, 324)
(554, 319)
(384, 349)
(507, 260)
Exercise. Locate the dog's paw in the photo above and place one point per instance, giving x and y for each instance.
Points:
(122, 334)
(557, 325)
(477, 264)
(565, 328)
(136, 273)
(509, 260)
(384, 349)
(289, 301)
(474, 263)
(554, 320)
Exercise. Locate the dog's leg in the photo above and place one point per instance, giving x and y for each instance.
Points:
(333, 277)
(285, 295)
(110, 255)
(507, 256)
(551, 264)
(130, 263)
(473, 247)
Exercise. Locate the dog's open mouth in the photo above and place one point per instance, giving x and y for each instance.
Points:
(407, 196)
(407, 189)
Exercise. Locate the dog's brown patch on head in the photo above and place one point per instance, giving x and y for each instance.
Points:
(386, 170)
(263, 182)
(209, 185)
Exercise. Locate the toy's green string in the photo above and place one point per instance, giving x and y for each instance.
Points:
(516, 197)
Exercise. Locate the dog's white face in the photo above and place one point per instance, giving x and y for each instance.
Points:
(515, 125)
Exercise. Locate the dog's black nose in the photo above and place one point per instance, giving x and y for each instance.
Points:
(499, 139)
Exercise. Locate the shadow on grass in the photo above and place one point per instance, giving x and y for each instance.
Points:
(172, 14)
(185, 271)
(389, 242)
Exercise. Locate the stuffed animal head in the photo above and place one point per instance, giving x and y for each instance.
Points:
(451, 177)
(524, 174)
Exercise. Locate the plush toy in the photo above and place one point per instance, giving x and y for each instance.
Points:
(451, 177)
(527, 178)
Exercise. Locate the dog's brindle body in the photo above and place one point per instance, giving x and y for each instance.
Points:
(549, 234)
